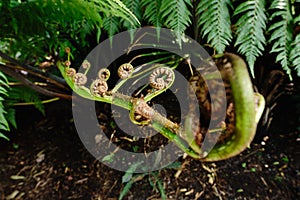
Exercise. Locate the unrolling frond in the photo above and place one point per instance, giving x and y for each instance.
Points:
(176, 15)
(214, 22)
(250, 30)
(282, 32)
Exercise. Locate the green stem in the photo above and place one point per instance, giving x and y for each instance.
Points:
(245, 112)
(161, 124)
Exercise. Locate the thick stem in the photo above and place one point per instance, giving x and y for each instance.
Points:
(245, 111)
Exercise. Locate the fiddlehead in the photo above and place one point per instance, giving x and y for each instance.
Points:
(80, 79)
(125, 70)
(99, 87)
(161, 78)
(104, 74)
(70, 72)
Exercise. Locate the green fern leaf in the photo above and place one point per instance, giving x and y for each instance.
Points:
(135, 7)
(22, 94)
(3, 122)
(111, 25)
(295, 54)
(176, 15)
(4, 126)
(282, 32)
(123, 12)
(152, 12)
(10, 116)
(250, 32)
(214, 21)
(3, 136)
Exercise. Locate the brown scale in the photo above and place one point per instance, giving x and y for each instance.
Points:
(200, 88)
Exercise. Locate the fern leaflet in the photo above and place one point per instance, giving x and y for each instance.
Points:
(135, 7)
(214, 21)
(152, 12)
(282, 32)
(176, 16)
(4, 126)
(250, 32)
(295, 54)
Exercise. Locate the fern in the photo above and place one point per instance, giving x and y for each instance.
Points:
(135, 7)
(282, 32)
(295, 54)
(250, 32)
(175, 15)
(4, 126)
(152, 12)
(119, 9)
(111, 25)
(34, 24)
(214, 21)
(22, 94)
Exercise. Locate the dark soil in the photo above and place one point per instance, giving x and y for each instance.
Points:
(45, 159)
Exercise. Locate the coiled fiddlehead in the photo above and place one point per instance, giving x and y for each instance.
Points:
(70, 72)
(161, 77)
(80, 79)
(104, 74)
(125, 70)
(98, 87)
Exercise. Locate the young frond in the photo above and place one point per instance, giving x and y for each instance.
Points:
(214, 22)
(295, 54)
(281, 32)
(250, 30)
(176, 16)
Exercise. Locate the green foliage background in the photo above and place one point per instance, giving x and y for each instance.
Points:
(31, 30)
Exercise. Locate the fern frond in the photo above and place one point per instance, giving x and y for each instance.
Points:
(121, 10)
(4, 126)
(22, 94)
(111, 25)
(135, 7)
(282, 32)
(152, 12)
(295, 54)
(250, 30)
(176, 16)
(214, 21)
(10, 116)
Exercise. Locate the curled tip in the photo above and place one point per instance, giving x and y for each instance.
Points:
(67, 63)
(80, 79)
(70, 72)
(161, 77)
(86, 64)
(67, 50)
(125, 70)
(99, 87)
(104, 74)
